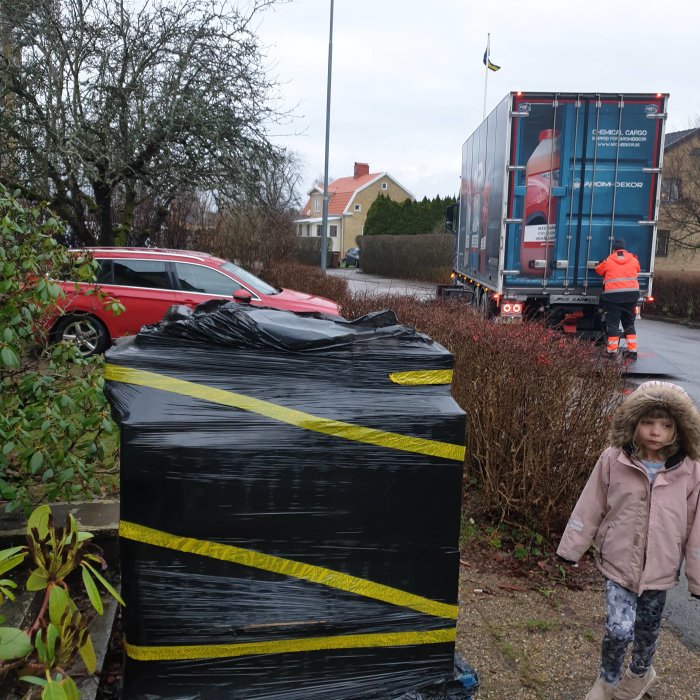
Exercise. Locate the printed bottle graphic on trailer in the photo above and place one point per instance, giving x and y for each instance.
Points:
(540, 218)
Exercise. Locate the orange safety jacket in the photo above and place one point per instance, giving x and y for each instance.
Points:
(619, 272)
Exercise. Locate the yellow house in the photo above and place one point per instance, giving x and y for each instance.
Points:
(349, 199)
(678, 233)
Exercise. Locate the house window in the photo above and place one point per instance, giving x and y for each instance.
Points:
(319, 231)
(385, 185)
(358, 207)
(333, 230)
(317, 204)
(662, 244)
(301, 229)
(308, 229)
(670, 190)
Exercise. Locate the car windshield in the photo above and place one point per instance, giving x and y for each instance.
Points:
(249, 279)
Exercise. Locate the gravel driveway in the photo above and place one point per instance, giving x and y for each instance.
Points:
(531, 640)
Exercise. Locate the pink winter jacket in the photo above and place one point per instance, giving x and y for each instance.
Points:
(641, 531)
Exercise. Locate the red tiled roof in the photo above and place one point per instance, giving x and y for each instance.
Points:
(341, 192)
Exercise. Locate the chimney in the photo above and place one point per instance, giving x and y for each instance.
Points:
(361, 169)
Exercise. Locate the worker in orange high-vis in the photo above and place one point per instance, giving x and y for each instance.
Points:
(620, 297)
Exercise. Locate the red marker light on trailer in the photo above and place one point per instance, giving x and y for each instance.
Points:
(659, 94)
(506, 308)
(517, 308)
(649, 299)
(519, 93)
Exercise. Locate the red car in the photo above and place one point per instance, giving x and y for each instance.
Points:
(147, 281)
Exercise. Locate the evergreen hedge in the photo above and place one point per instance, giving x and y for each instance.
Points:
(426, 257)
(389, 218)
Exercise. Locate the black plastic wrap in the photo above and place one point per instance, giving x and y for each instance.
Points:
(290, 507)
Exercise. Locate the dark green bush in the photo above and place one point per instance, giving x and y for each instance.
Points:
(421, 257)
(387, 217)
(537, 406)
(677, 296)
(55, 426)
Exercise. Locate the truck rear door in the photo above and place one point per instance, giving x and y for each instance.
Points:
(584, 171)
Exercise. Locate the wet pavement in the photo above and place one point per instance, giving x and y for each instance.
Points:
(362, 283)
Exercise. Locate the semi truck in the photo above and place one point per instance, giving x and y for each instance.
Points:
(548, 182)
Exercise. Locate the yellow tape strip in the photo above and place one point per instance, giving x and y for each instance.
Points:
(286, 646)
(307, 421)
(287, 567)
(419, 378)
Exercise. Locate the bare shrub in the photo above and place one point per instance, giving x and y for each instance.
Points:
(537, 406)
(309, 279)
(253, 237)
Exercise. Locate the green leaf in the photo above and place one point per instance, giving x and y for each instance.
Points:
(39, 520)
(41, 648)
(87, 653)
(105, 583)
(11, 552)
(52, 636)
(37, 582)
(53, 691)
(34, 680)
(36, 461)
(58, 602)
(14, 643)
(82, 536)
(93, 593)
(9, 358)
(11, 562)
(70, 688)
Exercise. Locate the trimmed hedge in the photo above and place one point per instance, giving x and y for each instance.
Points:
(424, 257)
(677, 296)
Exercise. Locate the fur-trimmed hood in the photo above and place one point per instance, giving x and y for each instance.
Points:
(652, 395)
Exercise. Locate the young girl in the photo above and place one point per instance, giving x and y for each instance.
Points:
(639, 507)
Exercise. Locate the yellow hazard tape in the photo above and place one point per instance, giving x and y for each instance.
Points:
(286, 646)
(287, 567)
(419, 378)
(307, 421)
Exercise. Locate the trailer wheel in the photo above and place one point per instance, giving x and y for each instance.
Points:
(487, 307)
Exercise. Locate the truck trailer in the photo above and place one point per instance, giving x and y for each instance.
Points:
(548, 181)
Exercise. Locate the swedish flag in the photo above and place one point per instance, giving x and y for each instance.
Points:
(487, 61)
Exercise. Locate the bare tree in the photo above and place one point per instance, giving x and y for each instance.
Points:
(680, 190)
(114, 105)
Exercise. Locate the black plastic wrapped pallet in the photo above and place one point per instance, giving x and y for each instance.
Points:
(290, 507)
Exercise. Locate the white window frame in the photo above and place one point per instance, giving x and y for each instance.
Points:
(385, 185)
(357, 207)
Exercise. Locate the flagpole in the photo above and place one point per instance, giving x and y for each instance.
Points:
(486, 67)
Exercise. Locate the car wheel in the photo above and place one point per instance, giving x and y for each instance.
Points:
(86, 332)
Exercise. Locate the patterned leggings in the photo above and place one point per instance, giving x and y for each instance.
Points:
(630, 618)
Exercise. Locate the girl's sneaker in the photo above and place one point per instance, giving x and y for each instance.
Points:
(601, 690)
(632, 687)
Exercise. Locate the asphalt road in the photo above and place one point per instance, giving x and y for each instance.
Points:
(675, 349)
(667, 351)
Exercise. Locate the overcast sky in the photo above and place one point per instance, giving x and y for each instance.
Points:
(408, 77)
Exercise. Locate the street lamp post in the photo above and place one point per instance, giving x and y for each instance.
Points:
(324, 219)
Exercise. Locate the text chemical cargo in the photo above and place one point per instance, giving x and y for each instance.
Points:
(548, 182)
